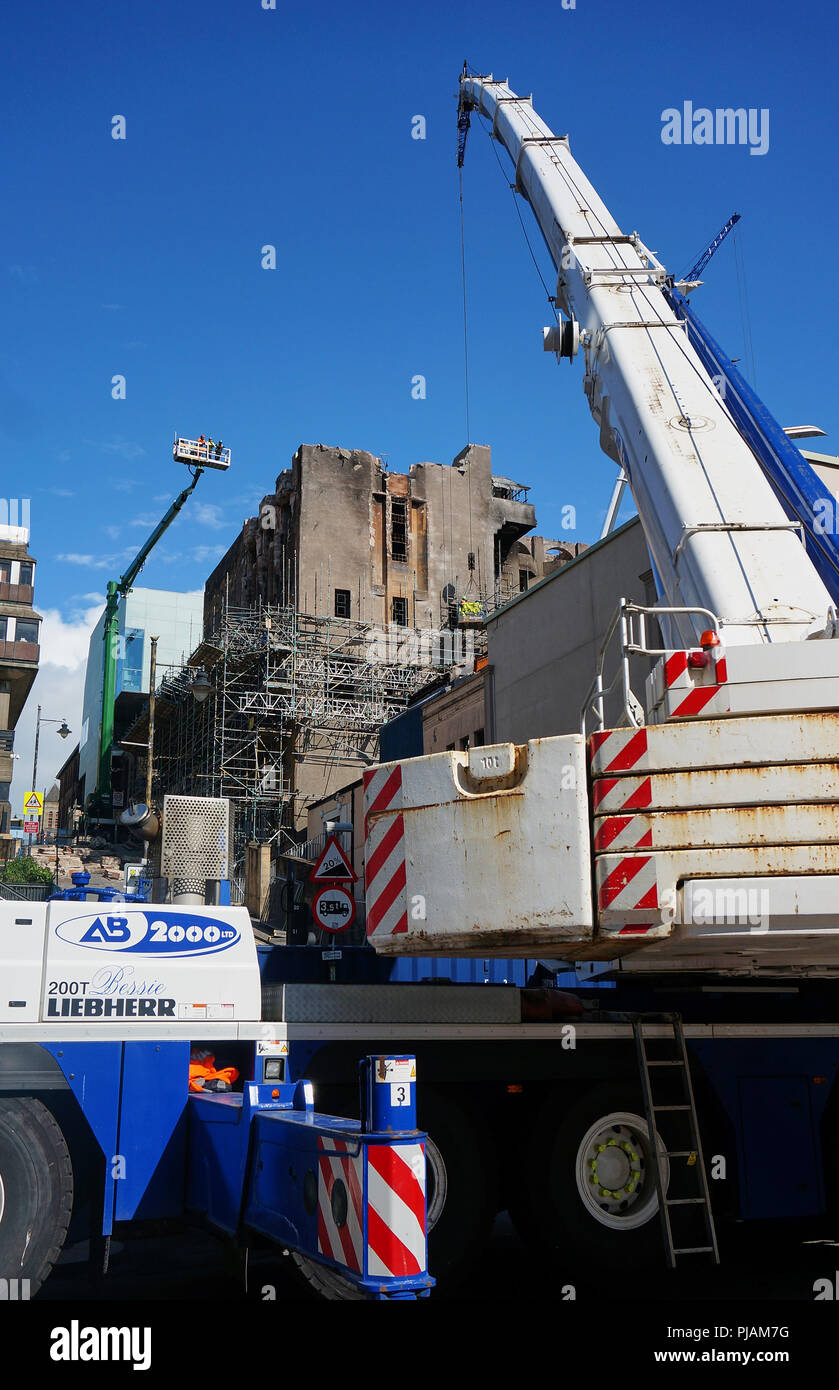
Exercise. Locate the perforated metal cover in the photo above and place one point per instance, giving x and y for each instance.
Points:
(195, 843)
(400, 1004)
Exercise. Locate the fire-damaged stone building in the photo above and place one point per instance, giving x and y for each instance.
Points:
(343, 535)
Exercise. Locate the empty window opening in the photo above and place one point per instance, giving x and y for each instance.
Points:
(342, 603)
(399, 528)
(400, 612)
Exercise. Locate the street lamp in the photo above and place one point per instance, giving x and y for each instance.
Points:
(201, 685)
(64, 732)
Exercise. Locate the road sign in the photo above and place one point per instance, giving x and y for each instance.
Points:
(333, 864)
(33, 804)
(31, 827)
(334, 908)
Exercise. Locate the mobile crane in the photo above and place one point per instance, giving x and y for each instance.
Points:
(719, 788)
(546, 1104)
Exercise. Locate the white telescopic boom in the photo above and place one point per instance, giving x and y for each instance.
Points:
(717, 535)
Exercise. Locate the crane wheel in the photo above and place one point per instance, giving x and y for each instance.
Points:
(36, 1191)
(586, 1182)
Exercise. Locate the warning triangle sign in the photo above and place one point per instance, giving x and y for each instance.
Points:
(33, 802)
(333, 864)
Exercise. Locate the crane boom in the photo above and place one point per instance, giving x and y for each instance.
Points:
(717, 535)
(711, 249)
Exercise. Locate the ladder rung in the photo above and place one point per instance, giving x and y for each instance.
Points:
(694, 1250)
(671, 1107)
(664, 1064)
(684, 1201)
(680, 1153)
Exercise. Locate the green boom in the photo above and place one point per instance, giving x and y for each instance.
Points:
(117, 589)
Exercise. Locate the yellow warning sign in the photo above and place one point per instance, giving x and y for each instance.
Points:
(33, 804)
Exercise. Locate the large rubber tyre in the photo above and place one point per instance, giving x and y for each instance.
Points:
(36, 1191)
(557, 1205)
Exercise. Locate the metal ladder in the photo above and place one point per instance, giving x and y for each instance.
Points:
(693, 1154)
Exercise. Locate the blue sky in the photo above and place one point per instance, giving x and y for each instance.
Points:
(292, 127)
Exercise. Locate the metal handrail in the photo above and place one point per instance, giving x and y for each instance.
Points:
(199, 453)
(623, 621)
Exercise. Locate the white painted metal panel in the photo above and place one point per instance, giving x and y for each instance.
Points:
(481, 859)
(111, 961)
(640, 886)
(719, 826)
(759, 741)
(725, 786)
(791, 903)
(22, 934)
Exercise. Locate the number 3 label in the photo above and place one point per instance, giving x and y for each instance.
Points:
(400, 1095)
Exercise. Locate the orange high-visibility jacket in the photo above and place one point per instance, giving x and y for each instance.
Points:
(202, 1067)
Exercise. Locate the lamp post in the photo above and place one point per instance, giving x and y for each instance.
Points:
(63, 732)
(200, 685)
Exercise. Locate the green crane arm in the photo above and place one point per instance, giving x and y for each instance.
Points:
(117, 588)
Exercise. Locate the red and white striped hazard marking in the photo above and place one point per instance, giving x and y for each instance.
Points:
(617, 750)
(630, 885)
(344, 1243)
(701, 694)
(396, 1209)
(384, 866)
(610, 794)
(622, 832)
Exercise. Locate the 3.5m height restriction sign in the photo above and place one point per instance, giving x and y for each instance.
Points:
(333, 908)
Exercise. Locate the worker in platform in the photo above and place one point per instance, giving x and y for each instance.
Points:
(210, 447)
(201, 441)
(218, 449)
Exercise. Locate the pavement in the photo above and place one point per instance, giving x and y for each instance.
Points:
(767, 1262)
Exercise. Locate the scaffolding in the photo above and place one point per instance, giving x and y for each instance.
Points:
(279, 687)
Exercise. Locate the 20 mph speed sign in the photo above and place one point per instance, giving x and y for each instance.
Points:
(334, 908)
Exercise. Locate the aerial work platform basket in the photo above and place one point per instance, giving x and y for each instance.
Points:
(204, 453)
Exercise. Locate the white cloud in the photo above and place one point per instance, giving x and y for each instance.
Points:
(95, 562)
(201, 553)
(207, 514)
(124, 448)
(58, 689)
